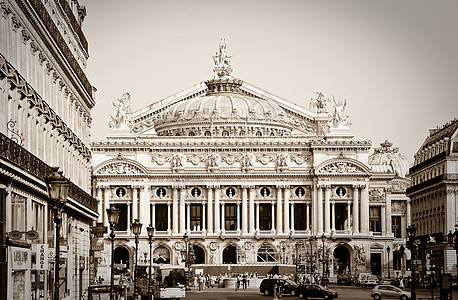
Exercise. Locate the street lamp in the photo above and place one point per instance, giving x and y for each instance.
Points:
(388, 251)
(97, 232)
(136, 229)
(189, 258)
(150, 230)
(113, 217)
(57, 187)
(324, 280)
(411, 230)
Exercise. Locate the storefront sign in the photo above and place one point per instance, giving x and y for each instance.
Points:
(20, 258)
(42, 256)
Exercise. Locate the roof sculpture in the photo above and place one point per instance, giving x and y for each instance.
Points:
(388, 159)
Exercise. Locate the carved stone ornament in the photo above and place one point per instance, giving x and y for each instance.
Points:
(399, 187)
(376, 195)
(213, 161)
(178, 161)
(339, 119)
(178, 246)
(341, 167)
(119, 168)
(195, 159)
(282, 162)
(360, 255)
(299, 159)
(398, 207)
(265, 159)
(247, 162)
(222, 61)
(213, 246)
(229, 159)
(248, 245)
(159, 159)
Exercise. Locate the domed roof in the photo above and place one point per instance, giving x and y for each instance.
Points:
(387, 159)
(224, 108)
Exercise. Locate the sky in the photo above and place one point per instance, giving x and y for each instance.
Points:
(396, 62)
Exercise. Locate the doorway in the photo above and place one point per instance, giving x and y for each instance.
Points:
(342, 257)
(376, 263)
(230, 255)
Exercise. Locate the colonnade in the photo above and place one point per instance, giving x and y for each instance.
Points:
(320, 210)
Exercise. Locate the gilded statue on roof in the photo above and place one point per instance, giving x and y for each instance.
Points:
(122, 119)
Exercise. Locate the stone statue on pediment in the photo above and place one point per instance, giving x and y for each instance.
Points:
(222, 61)
(320, 102)
(339, 119)
(122, 119)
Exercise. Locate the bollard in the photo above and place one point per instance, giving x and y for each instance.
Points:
(275, 292)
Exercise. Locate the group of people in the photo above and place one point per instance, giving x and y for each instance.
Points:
(202, 281)
(243, 281)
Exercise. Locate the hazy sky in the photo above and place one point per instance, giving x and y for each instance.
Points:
(395, 62)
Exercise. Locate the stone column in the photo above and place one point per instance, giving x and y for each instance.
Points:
(257, 217)
(217, 209)
(106, 202)
(182, 209)
(175, 210)
(203, 218)
(292, 217)
(134, 202)
(209, 209)
(279, 210)
(238, 217)
(272, 205)
(308, 217)
(349, 216)
(188, 217)
(389, 230)
(383, 219)
(100, 204)
(153, 217)
(314, 209)
(409, 221)
(251, 209)
(333, 216)
(365, 210)
(355, 209)
(223, 222)
(244, 210)
(327, 210)
(319, 211)
(169, 219)
(286, 210)
(145, 207)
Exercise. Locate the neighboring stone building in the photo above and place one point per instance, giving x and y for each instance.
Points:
(253, 179)
(45, 105)
(434, 192)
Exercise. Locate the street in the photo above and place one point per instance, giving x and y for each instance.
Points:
(348, 292)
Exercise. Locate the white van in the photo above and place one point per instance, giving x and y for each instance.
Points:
(361, 277)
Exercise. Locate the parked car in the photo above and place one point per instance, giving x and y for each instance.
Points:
(305, 291)
(389, 292)
(370, 281)
(344, 279)
(288, 286)
(360, 278)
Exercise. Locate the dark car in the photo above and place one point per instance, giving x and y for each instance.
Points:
(344, 279)
(287, 286)
(305, 291)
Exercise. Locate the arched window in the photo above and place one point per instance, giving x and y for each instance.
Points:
(191, 133)
(266, 254)
(200, 255)
(259, 133)
(225, 133)
(207, 133)
(161, 255)
(230, 255)
(161, 192)
(230, 192)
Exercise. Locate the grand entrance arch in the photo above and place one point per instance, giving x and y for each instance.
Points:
(200, 255)
(121, 256)
(342, 257)
(230, 255)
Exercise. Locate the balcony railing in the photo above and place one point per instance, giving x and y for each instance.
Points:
(21, 157)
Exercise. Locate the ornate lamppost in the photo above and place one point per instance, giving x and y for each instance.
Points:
(324, 279)
(97, 232)
(388, 251)
(136, 230)
(189, 258)
(57, 187)
(411, 230)
(113, 217)
(150, 230)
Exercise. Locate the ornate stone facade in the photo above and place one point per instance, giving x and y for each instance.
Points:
(251, 178)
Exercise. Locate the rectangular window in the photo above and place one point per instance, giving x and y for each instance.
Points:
(123, 220)
(265, 216)
(230, 216)
(18, 212)
(375, 219)
(160, 224)
(300, 216)
(396, 226)
(38, 218)
(196, 217)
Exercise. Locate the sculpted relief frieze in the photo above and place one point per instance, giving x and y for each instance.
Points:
(398, 207)
(376, 195)
(118, 168)
(341, 167)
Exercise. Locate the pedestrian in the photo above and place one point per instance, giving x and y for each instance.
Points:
(237, 283)
(244, 281)
(401, 284)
